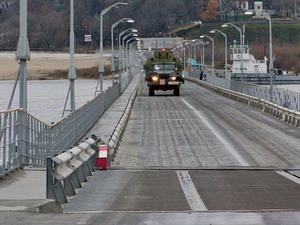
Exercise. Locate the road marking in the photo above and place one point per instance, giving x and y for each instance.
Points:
(229, 147)
(12, 208)
(190, 191)
(126, 212)
(84, 220)
(289, 176)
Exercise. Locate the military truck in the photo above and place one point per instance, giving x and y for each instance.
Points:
(163, 72)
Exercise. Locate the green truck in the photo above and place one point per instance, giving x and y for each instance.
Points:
(163, 72)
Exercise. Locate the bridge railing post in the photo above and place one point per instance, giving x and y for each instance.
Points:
(50, 193)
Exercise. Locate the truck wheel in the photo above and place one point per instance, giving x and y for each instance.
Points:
(151, 91)
(177, 91)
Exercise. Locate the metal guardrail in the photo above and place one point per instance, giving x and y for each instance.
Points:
(26, 140)
(286, 115)
(283, 97)
(66, 172)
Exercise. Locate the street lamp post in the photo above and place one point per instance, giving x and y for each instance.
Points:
(271, 63)
(271, 66)
(189, 48)
(132, 55)
(203, 55)
(193, 43)
(184, 57)
(124, 49)
(121, 46)
(241, 46)
(119, 41)
(123, 52)
(179, 52)
(177, 49)
(101, 63)
(131, 47)
(213, 53)
(200, 56)
(72, 71)
(22, 55)
(128, 50)
(128, 20)
(226, 44)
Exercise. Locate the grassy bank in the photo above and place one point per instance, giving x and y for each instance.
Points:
(86, 73)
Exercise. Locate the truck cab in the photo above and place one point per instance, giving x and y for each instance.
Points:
(164, 72)
(164, 76)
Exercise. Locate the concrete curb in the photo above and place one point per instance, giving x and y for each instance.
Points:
(47, 206)
(286, 115)
(119, 129)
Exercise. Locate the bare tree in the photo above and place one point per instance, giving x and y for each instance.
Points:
(235, 7)
(211, 11)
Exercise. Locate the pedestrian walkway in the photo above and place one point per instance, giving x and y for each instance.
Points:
(30, 183)
(105, 126)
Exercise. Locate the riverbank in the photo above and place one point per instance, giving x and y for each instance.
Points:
(286, 40)
(51, 66)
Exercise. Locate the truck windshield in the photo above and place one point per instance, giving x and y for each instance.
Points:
(164, 67)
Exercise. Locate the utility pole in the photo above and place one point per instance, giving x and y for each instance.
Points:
(241, 45)
(101, 60)
(23, 55)
(72, 72)
(271, 66)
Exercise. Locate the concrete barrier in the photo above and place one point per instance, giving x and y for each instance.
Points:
(286, 115)
(66, 171)
(119, 129)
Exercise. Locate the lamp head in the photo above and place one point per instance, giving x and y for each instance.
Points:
(249, 13)
(225, 25)
(212, 32)
(202, 36)
(130, 21)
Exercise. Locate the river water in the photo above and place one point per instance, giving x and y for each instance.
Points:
(293, 87)
(46, 99)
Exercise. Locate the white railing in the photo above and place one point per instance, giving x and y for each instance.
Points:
(287, 115)
(283, 97)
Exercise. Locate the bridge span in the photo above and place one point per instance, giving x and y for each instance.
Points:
(195, 159)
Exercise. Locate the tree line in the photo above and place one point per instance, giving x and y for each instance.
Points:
(48, 20)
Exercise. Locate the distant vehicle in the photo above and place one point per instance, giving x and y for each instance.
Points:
(163, 72)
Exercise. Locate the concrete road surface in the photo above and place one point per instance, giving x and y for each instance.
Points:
(179, 218)
(195, 159)
(197, 153)
(203, 129)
